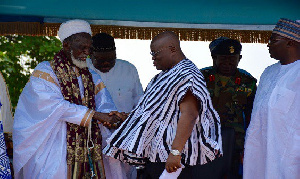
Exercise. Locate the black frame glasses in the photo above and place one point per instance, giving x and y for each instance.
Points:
(155, 53)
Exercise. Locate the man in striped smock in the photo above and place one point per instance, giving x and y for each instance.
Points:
(174, 123)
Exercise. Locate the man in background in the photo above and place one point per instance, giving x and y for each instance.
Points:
(56, 132)
(273, 137)
(122, 81)
(232, 91)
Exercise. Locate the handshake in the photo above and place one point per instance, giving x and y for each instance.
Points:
(111, 120)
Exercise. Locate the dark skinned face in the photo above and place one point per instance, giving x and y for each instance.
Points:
(104, 61)
(277, 46)
(226, 64)
(79, 45)
(161, 56)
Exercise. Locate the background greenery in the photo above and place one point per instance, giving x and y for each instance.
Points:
(19, 55)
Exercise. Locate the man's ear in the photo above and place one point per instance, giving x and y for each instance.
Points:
(173, 49)
(240, 58)
(66, 46)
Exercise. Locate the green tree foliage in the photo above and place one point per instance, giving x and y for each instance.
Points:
(19, 55)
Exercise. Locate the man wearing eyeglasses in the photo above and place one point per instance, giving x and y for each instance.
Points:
(273, 138)
(174, 124)
(122, 81)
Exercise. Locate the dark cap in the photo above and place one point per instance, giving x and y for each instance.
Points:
(103, 42)
(226, 47)
(216, 42)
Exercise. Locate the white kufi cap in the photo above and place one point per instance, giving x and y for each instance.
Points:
(71, 27)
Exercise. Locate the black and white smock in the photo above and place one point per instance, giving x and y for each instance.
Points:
(148, 132)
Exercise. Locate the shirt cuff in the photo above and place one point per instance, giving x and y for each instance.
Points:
(87, 118)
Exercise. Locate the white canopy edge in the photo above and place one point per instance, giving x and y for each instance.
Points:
(171, 25)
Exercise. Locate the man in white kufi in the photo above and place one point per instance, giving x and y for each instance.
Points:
(56, 134)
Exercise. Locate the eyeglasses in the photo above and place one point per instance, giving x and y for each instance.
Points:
(155, 53)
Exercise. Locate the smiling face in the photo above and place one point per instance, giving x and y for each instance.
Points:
(104, 61)
(226, 64)
(77, 48)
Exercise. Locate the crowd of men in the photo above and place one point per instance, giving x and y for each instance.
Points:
(84, 114)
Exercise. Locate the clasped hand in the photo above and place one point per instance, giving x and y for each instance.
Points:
(111, 120)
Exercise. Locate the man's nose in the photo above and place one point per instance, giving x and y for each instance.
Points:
(87, 51)
(227, 61)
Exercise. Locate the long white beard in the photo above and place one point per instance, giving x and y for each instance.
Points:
(77, 62)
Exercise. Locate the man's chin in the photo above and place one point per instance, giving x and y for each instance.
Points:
(104, 70)
(227, 72)
(79, 63)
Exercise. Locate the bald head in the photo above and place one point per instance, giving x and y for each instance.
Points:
(167, 38)
(166, 51)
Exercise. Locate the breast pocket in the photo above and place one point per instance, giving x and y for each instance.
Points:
(281, 99)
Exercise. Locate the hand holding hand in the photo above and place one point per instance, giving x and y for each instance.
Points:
(110, 121)
(121, 115)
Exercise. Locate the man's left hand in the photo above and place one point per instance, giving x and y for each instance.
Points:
(173, 163)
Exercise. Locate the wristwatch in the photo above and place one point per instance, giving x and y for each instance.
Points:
(175, 152)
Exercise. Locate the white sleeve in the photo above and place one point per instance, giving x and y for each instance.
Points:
(138, 89)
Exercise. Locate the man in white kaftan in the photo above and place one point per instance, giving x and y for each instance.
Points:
(122, 81)
(57, 113)
(272, 148)
(41, 118)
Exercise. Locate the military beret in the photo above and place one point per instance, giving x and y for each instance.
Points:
(227, 47)
(216, 42)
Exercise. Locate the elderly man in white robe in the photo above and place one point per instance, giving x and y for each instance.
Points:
(272, 148)
(56, 132)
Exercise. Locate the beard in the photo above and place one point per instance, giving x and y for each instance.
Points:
(77, 62)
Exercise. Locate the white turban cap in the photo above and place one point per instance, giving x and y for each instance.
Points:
(71, 27)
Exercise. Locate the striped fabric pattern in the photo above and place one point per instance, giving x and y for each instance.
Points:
(288, 28)
(150, 129)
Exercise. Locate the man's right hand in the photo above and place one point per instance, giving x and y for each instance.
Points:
(108, 120)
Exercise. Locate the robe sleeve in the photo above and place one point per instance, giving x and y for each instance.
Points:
(138, 89)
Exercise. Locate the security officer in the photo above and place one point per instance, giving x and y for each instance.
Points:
(232, 92)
